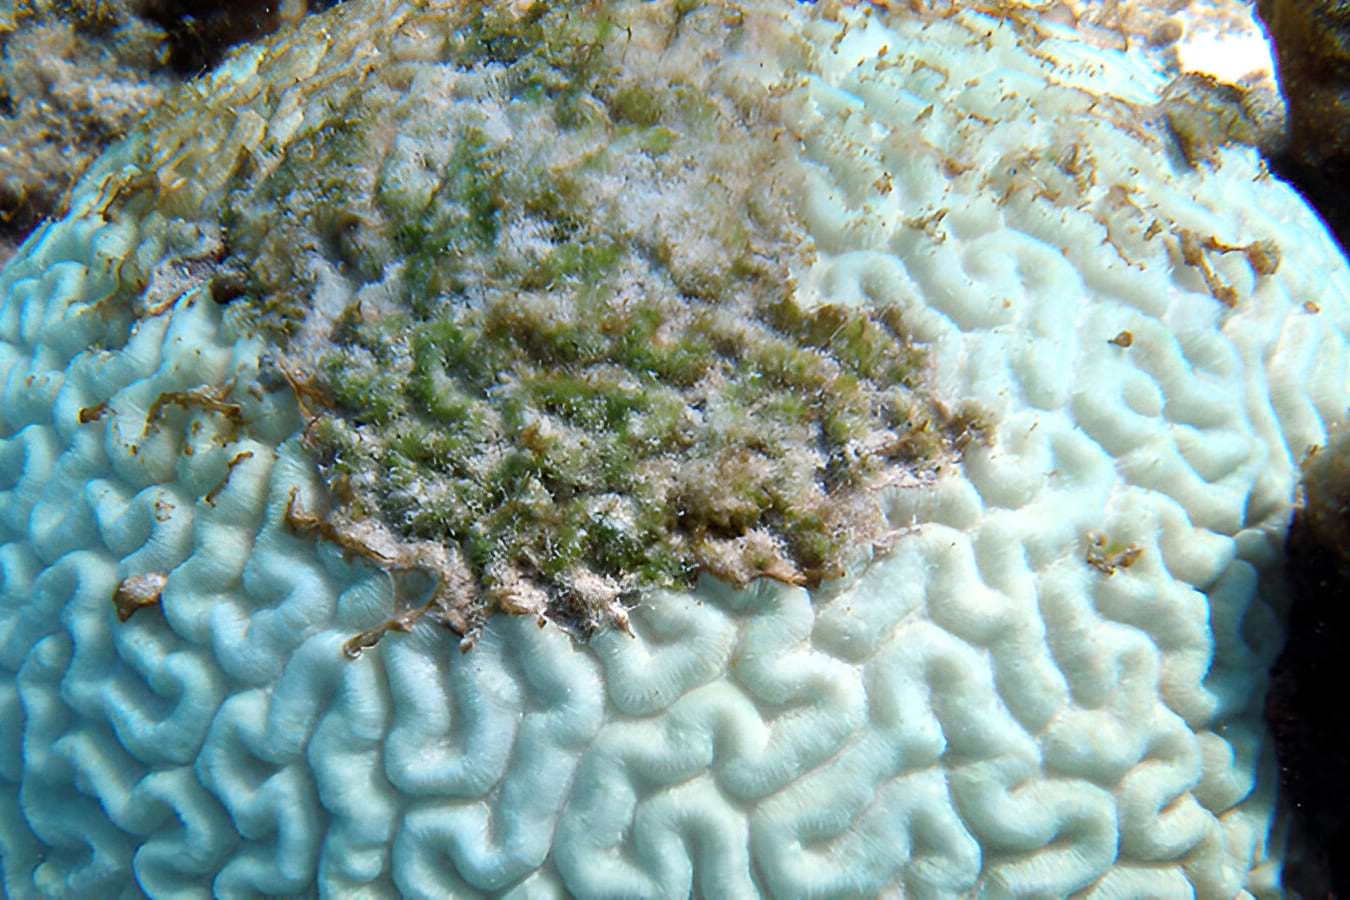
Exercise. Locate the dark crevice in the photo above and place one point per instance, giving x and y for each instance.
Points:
(200, 32)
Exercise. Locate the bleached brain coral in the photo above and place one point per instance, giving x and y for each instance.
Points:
(423, 315)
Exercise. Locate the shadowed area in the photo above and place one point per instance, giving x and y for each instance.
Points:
(1312, 50)
(1306, 707)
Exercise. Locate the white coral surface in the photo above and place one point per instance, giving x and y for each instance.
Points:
(978, 709)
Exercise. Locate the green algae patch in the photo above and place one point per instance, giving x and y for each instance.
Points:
(533, 284)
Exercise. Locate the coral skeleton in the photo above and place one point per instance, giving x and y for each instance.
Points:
(656, 449)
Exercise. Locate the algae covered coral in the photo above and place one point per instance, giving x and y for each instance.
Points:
(541, 304)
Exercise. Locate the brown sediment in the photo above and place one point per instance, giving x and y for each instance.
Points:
(210, 498)
(1109, 558)
(136, 592)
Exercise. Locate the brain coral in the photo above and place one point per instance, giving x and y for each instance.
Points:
(1042, 677)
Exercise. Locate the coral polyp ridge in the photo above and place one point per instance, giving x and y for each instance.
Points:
(896, 413)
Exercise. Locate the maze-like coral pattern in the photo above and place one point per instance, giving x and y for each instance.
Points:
(977, 709)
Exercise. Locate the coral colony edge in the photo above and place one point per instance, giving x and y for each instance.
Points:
(76, 75)
(653, 449)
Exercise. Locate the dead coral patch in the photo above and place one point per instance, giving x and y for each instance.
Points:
(529, 272)
(550, 302)
(75, 75)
